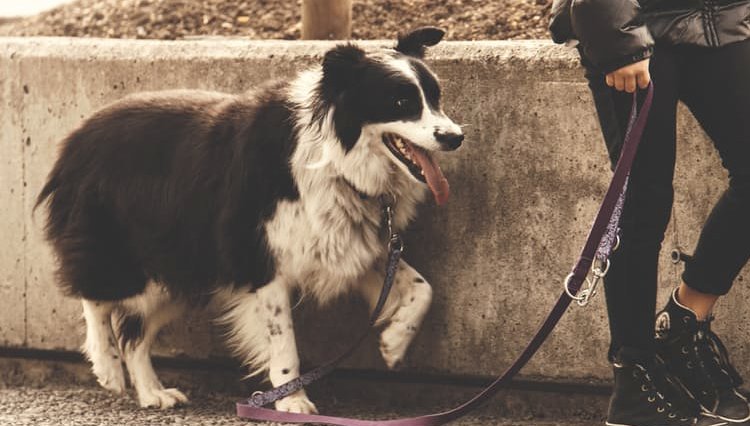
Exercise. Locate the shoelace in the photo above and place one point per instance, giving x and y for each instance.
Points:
(714, 358)
(658, 385)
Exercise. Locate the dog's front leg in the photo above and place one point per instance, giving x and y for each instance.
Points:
(407, 306)
(283, 363)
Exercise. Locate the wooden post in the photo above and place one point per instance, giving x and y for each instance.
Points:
(326, 19)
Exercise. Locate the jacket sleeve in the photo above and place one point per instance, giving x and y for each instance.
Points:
(611, 32)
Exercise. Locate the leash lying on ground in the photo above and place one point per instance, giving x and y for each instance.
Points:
(600, 243)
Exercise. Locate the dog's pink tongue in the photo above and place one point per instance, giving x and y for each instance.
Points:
(435, 180)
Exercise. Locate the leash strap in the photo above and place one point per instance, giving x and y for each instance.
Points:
(253, 409)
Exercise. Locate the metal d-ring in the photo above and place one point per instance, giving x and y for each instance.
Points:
(617, 242)
(577, 297)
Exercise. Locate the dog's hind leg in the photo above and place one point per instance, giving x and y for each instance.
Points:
(261, 334)
(403, 314)
(138, 326)
(100, 346)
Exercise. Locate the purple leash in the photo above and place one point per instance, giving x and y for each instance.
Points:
(600, 243)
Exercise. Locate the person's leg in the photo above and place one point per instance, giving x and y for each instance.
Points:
(719, 97)
(630, 285)
(716, 89)
(642, 394)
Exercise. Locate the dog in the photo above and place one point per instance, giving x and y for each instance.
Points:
(165, 200)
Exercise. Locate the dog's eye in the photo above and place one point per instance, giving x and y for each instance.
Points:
(402, 103)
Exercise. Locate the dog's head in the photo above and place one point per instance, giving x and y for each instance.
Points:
(387, 113)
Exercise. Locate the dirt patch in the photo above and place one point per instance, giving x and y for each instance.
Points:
(275, 19)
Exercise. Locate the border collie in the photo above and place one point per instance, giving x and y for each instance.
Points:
(165, 200)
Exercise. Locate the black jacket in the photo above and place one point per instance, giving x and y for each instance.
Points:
(615, 33)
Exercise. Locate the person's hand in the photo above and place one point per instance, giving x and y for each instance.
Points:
(630, 76)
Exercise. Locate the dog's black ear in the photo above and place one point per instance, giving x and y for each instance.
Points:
(414, 43)
(341, 65)
(342, 70)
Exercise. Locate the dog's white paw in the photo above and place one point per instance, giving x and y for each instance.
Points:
(296, 403)
(394, 341)
(109, 373)
(160, 398)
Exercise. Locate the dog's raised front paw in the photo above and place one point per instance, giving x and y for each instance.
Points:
(161, 398)
(296, 403)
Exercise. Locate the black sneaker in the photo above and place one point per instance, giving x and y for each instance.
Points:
(644, 396)
(699, 362)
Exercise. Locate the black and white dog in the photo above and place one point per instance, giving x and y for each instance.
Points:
(167, 199)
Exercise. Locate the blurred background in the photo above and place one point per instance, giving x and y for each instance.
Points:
(271, 19)
(9, 8)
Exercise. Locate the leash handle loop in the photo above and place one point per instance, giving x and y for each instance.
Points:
(604, 236)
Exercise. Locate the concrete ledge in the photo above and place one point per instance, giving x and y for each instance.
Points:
(525, 189)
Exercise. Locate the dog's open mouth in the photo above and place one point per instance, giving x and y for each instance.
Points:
(420, 163)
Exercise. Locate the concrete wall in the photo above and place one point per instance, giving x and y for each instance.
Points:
(525, 187)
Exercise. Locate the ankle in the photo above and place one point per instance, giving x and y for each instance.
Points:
(700, 303)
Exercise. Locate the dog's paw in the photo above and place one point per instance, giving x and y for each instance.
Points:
(109, 374)
(161, 398)
(296, 403)
(394, 341)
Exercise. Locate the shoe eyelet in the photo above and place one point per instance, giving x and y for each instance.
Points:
(651, 398)
(672, 415)
(660, 409)
(644, 388)
(689, 365)
(684, 350)
(685, 319)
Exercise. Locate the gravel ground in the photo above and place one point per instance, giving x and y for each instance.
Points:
(84, 406)
(56, 393)
(274, 19)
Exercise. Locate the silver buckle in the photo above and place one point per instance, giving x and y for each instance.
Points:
(584, 295)
(394, 240)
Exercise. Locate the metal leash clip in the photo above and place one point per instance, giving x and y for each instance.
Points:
(394, 240)
(584, 295)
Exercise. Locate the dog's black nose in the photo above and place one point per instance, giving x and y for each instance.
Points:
(449, 140)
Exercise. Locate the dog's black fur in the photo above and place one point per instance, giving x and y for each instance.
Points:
(171, 188)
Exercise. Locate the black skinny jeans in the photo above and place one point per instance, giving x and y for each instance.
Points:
(714, 83)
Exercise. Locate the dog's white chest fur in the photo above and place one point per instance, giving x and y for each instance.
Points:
(337, 236)
(333, 244)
